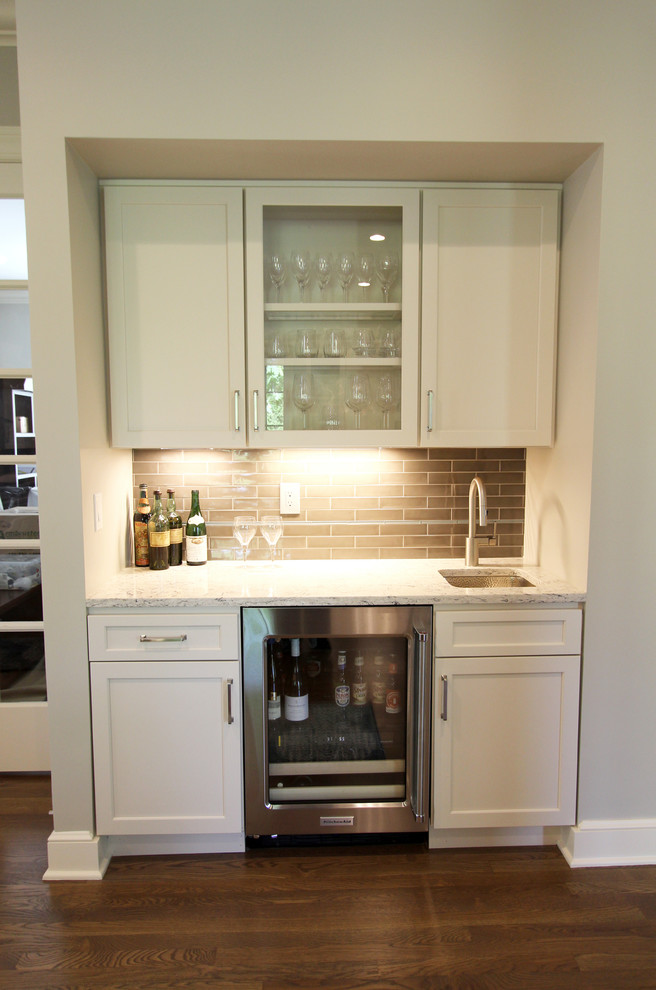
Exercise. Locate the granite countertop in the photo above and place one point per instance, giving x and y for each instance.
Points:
(322, 582)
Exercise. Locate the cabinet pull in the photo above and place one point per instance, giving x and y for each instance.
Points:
(237, 410)
(429, 424)
(163, 639)
(445, 697)
(231, 717)
(256, 418)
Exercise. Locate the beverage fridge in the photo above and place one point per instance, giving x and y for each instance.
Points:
(337, 719)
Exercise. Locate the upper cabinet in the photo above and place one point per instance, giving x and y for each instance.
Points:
(175, 308)
(332, 315)
(356, 330)
(489, 303)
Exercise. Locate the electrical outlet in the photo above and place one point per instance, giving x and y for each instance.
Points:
(290, 498)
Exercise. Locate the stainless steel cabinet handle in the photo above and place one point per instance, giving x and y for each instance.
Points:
(231, 717)
(429, 424)
(237, 410)
(163, 639)
(420, 743)
(256, 418)
(445, 697)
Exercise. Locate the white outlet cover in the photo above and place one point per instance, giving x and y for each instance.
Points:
(290, 498)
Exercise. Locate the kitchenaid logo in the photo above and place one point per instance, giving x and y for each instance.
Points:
(343, 820)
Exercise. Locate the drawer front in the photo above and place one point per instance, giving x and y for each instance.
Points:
(164, 637)
(512, 632)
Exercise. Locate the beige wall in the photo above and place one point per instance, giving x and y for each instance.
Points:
(439, 71)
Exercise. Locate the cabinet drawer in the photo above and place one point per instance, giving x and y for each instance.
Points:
(164, 637)
(511, 632)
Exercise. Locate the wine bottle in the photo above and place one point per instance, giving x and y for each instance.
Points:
(140, 523)
(175, 528)
(159, 536)
(274, 706)
(342, 687)
(195, 533)
(297, 707)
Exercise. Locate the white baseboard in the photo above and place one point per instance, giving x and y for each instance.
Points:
(628, 842)
(76, 856)
(161, 845)
(462, 838)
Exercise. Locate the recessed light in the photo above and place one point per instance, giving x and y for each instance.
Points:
(364, 284)
(376, 237)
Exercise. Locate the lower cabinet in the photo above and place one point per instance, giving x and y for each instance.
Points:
(167, 747)
(505, 728)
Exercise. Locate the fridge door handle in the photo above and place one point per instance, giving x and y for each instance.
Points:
(419, 766)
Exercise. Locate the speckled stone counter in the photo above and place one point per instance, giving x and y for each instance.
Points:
(322, 582)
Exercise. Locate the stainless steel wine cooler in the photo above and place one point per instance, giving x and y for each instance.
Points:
(337, 719)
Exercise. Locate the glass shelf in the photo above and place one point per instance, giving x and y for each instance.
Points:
(332, 311)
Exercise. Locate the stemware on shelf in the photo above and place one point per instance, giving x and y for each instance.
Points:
(324, 270)
(307, 344)
(301, 270)
(243, 529)
(386, 396)
(345, 271)
(334, 344)
(365, 272)
(387, 270)
(363, 342)
(357, 397)
(303, 393)
(388, 345)
(277, 268)
(271, 528)
(276, 345)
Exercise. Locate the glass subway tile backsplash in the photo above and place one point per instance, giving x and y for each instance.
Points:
(370, 503)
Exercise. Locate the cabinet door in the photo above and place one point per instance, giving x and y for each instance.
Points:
(167, 747)
(505, 741)
(490, 262)
(332, 364)
(175, 315)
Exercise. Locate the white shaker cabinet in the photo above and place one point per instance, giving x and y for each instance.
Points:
(489, 311)
(175, 309)
(505, 727)
(167, 727)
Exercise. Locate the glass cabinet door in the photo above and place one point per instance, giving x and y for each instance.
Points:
(336, 719)
(332, 297)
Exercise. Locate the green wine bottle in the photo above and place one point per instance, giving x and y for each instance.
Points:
(159, 536)
(175, 529)
(195, 533)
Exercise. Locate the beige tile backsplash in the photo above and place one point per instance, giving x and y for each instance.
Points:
(376, 503)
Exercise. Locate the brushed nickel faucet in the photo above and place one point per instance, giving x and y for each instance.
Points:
(472, 541)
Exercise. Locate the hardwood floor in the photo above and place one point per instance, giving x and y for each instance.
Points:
(349, 917)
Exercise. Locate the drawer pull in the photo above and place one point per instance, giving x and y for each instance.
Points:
(231, 717)
(144, 638)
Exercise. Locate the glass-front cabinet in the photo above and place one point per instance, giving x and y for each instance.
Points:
(332, 315)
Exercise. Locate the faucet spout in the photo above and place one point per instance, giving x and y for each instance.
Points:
(471, 543)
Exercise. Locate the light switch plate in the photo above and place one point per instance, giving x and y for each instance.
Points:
(290, 498)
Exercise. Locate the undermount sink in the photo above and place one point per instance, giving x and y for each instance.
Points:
(470, 578)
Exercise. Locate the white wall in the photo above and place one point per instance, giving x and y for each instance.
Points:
(418, 70)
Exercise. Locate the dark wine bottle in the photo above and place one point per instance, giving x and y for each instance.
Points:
(159, 536)
(175, 529)
(195, 533)
(140, 524)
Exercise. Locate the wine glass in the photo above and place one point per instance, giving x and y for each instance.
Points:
(277, 271)
(324, 269)
(303, 394)
(386, 397)
(243, 529)
(301, 270)
(387, 270)
(358, 396)
(345, 271)
(363, 342)
(271, 527)
(365, 272)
